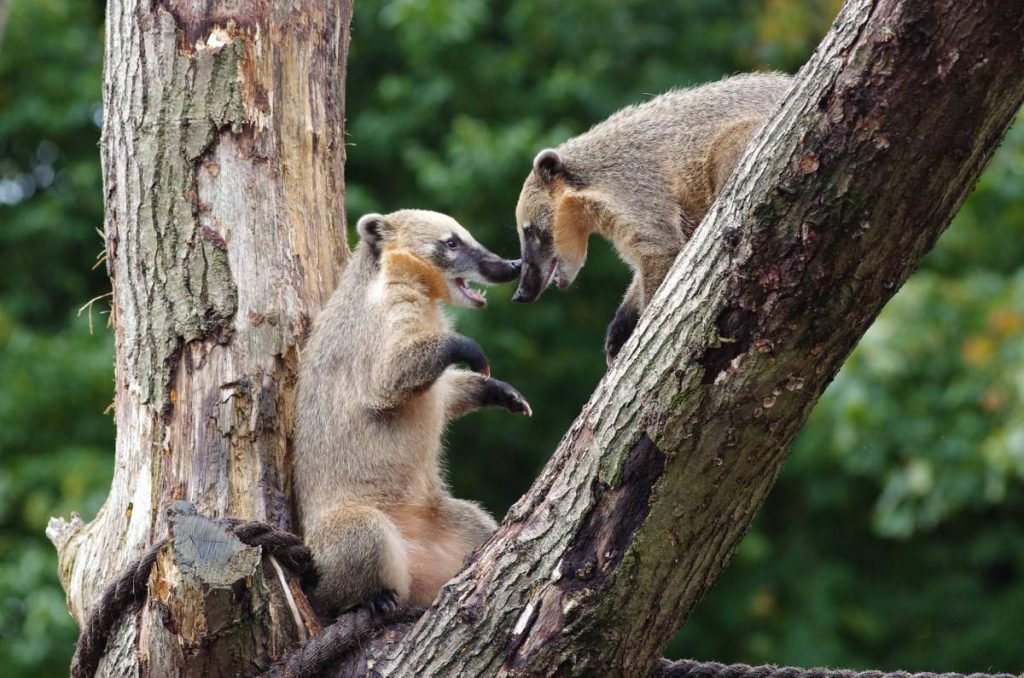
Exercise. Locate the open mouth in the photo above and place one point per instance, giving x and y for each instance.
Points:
(475, 297)
(552, 273)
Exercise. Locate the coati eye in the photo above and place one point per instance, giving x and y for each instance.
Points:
(452, 243)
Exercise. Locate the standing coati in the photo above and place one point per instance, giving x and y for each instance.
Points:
(375, 391)
(644, 178)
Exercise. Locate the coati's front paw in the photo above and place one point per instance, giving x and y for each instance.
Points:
(500, 394)
(462, 349)
(384, 604)
(619, 331)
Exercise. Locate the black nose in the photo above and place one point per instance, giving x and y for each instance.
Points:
(527, 291)
(529, 284)
(516, 264)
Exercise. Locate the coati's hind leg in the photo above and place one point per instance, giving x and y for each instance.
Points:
(361, 559)
(468, 521)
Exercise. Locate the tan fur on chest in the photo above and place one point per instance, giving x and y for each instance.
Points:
(402, 266)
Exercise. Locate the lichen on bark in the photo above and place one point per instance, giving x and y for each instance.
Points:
(190, 295)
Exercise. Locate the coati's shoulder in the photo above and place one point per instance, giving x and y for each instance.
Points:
(678, 121)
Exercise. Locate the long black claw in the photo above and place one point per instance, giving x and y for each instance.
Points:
(384, 604)
(501, 394)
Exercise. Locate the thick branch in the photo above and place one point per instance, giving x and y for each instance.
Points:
(834, 204)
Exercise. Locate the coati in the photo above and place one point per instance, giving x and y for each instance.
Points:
(376, 388)
(644, 179)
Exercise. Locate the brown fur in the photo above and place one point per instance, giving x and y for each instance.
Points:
(644, 179)
(403, 267)
(435, 550)
(573, 223)
(376, 390)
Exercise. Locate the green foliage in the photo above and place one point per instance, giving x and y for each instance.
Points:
(892, 538)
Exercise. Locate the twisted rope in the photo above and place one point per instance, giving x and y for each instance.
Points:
(125, 592)
(288, 548)
(344, 634)
(129, 589)
(689, 668)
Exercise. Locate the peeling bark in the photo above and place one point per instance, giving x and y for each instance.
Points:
(834, 204)
(223, 152)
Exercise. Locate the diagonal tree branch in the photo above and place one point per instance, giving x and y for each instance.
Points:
(645, 500)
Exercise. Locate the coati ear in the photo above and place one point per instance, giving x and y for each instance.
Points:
(373, 228)
(549, 164)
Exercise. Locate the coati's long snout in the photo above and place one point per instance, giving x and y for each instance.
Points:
(479, 265)
(494, 269)
(538, 266)
(531, 284)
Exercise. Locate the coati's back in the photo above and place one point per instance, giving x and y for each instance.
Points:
(677, 125)
(670, 136)
(329, 386)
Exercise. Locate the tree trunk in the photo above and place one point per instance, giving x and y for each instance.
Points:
(834, 204)
(223, 152)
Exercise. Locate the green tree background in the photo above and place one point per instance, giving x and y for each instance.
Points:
(893, 538)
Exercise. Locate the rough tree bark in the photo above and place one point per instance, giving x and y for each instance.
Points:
(223, 154)
(646, 498)
(649, 493)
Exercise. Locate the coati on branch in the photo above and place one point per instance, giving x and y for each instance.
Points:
(644, 178)
(376, 389)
